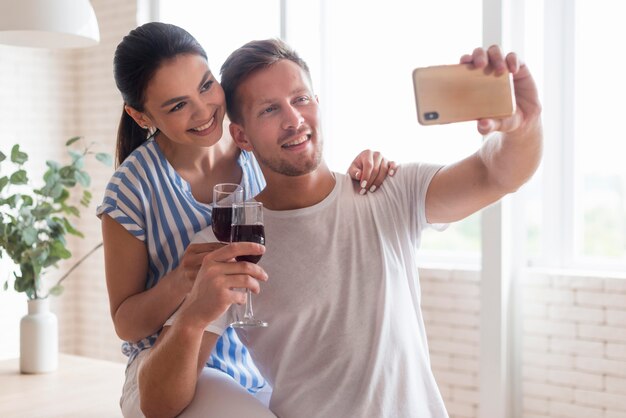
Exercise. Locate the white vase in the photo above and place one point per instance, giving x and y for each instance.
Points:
(39, 341)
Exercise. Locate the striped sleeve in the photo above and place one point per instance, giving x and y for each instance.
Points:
(124, 199)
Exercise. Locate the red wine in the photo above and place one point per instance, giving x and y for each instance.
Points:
(249, 233)
(221, 219)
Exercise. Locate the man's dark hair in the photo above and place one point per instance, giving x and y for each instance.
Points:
(251, 57)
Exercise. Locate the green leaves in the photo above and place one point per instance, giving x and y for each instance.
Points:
(19, 177)
(35, 220)
(105, 158)
(72, 140)
(56, 290)
(17, 156)
(3, 182)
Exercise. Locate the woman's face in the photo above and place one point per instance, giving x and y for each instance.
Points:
(185, 102)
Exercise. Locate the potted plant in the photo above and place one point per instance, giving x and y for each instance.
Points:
(34, 222)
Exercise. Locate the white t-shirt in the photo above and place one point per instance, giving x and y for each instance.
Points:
(346, 335)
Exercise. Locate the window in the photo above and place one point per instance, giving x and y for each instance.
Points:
(223, 26)
(367, 90)
(582, 184)
(362, 53)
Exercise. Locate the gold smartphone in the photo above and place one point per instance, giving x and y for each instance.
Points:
(457, 93)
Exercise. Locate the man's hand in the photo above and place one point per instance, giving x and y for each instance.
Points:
(526, 96)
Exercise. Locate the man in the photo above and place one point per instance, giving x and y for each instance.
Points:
(346, 336)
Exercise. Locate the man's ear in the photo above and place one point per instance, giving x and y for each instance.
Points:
(239, 136)
(139, 117)
(317, 99)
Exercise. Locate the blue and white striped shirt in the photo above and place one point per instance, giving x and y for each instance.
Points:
(150, 199)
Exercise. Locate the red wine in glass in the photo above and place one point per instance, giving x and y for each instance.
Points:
(221, 219)
(224, 196)
(249, 233)
(247, 226)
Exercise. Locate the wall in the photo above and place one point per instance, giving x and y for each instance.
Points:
(48, 97)
(573, 343)
(87, 326)
(451, 307)
(574, 347)
(37, 110)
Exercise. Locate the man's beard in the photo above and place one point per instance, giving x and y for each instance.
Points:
(288, 168)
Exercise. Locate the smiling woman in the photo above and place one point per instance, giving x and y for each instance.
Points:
(160, 195)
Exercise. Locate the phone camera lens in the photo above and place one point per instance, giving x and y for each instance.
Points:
(431, 115)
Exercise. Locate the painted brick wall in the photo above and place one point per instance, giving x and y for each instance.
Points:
(38, 111)
(574, 343)
(574, 347)
(48, 97)
(451, 307)
(84, 311)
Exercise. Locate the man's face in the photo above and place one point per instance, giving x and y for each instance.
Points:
(280, 120)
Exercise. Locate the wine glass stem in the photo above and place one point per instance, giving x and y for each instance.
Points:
(248, 313)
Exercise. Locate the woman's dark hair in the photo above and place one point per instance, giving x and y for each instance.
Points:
(137, 59)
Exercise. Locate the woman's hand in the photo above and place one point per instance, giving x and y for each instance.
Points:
(370, 169)
(219, 282)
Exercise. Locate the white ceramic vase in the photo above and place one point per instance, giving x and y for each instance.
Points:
(39, 341)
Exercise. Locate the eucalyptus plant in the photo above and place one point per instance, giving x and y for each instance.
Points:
(34, 221)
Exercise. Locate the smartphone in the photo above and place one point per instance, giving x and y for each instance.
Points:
(457, 93)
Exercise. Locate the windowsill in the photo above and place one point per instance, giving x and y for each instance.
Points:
(576, 272)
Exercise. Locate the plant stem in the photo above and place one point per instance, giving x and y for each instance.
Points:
(78, 263)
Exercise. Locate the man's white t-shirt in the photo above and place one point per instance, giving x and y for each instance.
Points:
(346, 335)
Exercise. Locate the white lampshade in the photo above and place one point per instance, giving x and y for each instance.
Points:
(48, 23)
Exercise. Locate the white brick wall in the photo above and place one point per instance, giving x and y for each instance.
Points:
(451, 306)
(574, 343)
(574, 347)
(48, 97)
(88, 328)
(36, 111)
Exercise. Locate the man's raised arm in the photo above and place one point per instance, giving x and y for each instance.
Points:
(505, 161)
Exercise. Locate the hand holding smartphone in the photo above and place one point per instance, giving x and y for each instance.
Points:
(457, 93)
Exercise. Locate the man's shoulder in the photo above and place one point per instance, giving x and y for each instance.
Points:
(404, 172)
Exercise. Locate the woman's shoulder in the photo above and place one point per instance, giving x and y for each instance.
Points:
(140, 169)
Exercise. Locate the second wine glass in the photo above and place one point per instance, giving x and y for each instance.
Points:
(247, 225)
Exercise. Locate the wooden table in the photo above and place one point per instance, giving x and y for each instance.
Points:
(81, 387)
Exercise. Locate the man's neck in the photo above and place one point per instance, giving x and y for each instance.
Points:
(288, 193)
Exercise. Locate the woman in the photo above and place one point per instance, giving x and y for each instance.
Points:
(171, 153)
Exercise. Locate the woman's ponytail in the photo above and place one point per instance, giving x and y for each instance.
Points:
(129, 137)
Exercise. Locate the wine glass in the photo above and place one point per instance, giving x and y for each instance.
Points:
(224, 196)
(247, 225)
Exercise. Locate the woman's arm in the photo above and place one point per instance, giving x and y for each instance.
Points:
(169, 374)
(136, 312)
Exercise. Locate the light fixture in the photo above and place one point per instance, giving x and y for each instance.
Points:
(48, 23)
